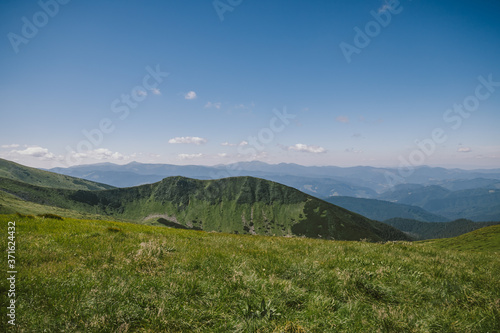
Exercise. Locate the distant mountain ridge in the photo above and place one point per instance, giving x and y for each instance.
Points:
(383, 210)
(363, 176)
(481, 204)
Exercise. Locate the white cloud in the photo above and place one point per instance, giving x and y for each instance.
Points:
(188, 139)
(190, 95)
(307, 149)
(104, 154)
(156, 91)
(38, 152)
(213, 105)
(464, 150)
(242, 143)
(100, 154)
(342, 119)
(141, 93)
(260, 156)
(26, 156)
(14, 145)
(189, 156)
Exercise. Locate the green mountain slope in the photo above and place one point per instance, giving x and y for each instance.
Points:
(482, 240)
(383, 210)
(10, 204)
(431, 230)
(243, 205)
(11, 170)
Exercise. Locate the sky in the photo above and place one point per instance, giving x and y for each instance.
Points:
(345, 83)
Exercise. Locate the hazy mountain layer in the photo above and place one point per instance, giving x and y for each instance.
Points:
(383, 210)
(362, 176)
(482, 204)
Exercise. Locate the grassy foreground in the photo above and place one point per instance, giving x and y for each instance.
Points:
(98, 276)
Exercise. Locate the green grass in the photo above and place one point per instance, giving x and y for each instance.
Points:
(482, 240)
(101, 276)
(432, 230)
(10, 204)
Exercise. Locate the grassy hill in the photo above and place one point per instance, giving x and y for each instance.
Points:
(11, 170)
(10, 204)
(482, 240)
(429, 230)
(243, 205)
(100, 276)
(383, 210)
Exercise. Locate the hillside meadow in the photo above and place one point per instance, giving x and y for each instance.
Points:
(103, 276)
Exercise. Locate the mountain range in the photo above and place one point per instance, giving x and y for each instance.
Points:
(244, 205)
(441, 194)
(250, 205)
(357, 178)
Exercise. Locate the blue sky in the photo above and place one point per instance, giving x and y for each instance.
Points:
(275, 81)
